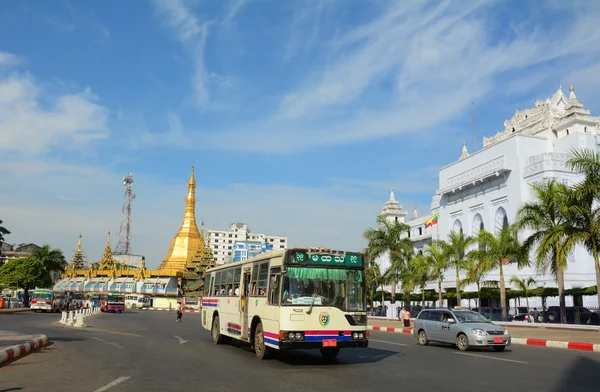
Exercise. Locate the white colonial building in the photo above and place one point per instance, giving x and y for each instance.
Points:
(484, 189)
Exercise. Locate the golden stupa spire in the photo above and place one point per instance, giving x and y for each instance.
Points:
(79, 244)
(188, 240)
(107, 257)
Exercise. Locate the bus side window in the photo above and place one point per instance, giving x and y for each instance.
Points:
(274, 290)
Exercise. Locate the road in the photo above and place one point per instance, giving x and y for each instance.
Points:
(143, 351)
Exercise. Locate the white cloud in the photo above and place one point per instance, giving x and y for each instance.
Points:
(89, 199)
(30, 126)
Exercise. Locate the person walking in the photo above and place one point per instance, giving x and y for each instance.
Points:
(179, 311)
(406, 318)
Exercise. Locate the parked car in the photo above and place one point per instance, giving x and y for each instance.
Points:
(575, 315)
(463, 328)
(494, 314)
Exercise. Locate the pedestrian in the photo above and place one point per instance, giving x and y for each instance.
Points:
(406, 318)
(179, 311)
(402, 310)
(536, 315)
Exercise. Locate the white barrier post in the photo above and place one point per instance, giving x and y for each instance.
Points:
(63, 317)
(70, 318)
(79, 321)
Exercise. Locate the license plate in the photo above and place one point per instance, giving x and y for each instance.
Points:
(329, 343)
(498, 340)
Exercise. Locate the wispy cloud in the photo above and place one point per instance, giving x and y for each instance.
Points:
(440, 57)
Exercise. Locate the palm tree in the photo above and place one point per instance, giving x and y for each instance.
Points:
(389, 237)
(418, 273)
(437, 260)
(583, 228)
(53, 259)
(500, 250)
(373, 279)
(3, 231)
(583, 210)
(456, 249)
(544, 218)
(477, 266)
(524, 285)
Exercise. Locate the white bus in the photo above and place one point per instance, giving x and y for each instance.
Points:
(137, 301)
(47, 300)
(289, 299)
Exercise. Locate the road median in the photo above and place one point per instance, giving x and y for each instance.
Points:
(12, 352)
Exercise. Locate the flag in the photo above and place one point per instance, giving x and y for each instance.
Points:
(432, 221)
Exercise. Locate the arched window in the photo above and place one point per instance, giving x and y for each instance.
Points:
(420, 251)
(477, 225)
(500, 220)
(457, 226)
(396, 218)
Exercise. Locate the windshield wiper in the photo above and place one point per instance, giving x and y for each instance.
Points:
(309, 311)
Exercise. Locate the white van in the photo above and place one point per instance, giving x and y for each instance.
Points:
(137, 301)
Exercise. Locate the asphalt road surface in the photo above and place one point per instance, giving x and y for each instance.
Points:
(149, 351)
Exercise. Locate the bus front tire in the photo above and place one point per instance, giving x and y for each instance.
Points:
(215, 332)
(260, 348)
(330, 353)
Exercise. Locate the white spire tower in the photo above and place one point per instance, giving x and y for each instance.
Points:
(392, 210)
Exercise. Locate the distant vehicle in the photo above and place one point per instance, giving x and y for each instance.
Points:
(115, 302)
(463, 328)
(289, 299)
(137, 301)
(47, 300)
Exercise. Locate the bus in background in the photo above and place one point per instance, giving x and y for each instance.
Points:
(102, 301)
(289, 299)
(44, 300)
(137, 301)
(115, 302)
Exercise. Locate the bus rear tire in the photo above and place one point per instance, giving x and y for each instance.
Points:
(215, 331)
(330, 353)
(260, 348)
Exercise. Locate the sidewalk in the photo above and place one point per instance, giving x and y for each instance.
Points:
(14, 310)
(14, 344)
(576, 339)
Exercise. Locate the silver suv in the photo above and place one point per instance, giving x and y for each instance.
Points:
(464, 328)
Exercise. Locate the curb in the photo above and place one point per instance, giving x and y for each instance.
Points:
(172, 310)
(16, 351)
(518, 341)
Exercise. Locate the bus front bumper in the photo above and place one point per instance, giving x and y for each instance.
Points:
(360, 343)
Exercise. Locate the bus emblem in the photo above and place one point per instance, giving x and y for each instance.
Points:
(324, 319)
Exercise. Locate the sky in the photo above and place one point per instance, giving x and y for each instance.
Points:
(299, 116)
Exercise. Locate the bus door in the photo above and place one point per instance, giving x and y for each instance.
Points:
(244, 302)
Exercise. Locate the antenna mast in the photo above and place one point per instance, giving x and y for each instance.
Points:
(474, 127)
(124, 243)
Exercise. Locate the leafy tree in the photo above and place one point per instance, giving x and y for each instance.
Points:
(27, 273)
(524, 285)
(373, 279)
(456, 249)
(3, 231)
(477, 266)
(497, 251)
(389, 237)
(547, 223)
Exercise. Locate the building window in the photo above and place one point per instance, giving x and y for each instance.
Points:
(457, 227)
(501, 220)
(420, 231)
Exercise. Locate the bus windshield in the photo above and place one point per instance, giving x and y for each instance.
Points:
(341, 288)
(42, 296)
(116, 298)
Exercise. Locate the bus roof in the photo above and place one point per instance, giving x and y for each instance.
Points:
(277, 253)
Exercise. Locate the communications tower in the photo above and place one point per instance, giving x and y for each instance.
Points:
(124, 243)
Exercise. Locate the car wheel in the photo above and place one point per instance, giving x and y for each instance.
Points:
(423, 340)
(462, 342)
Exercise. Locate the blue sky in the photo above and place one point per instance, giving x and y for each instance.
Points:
(299, 115)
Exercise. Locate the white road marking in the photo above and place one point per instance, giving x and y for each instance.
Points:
(112, 384)
(488, 357)
(181, 341)
(385, 341)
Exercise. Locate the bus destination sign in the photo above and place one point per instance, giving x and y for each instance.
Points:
(349, 260)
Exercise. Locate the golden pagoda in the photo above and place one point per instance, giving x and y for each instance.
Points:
(107, 260)
(188, 242)
(78, 260)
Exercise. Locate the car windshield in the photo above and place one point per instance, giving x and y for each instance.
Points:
(465, 316)
(341, 288)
